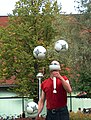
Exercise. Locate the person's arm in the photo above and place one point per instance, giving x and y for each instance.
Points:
(41, 103)
(66, 84)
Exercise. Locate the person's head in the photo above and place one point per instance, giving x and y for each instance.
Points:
(54, 66)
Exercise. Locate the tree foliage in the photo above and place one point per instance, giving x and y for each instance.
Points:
(36, 23)
(84, 50)
(30, 25)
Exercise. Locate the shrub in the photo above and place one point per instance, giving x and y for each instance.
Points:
(79, 116)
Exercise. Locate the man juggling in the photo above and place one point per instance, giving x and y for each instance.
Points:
(54, 92)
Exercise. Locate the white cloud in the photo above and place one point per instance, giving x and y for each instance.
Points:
(68, 6)
(6, 6)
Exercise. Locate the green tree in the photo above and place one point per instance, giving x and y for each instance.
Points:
(30, 25)
(84, 50)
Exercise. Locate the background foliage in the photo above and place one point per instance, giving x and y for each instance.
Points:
(40, 22)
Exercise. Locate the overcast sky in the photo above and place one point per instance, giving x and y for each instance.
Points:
(6, 6)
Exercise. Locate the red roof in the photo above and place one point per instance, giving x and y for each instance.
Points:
(10, 81)
(4, 21)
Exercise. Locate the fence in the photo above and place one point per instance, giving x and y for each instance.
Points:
(14, 106)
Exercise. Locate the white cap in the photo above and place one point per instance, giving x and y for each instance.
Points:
(55, 65)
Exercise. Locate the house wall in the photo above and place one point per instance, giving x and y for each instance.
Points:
(11, 106)
(79, 103)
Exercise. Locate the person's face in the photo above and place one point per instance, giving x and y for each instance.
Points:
(54, 73)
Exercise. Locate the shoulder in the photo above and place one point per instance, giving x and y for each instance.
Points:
(46, 80)
(45, 83)
(65, 77)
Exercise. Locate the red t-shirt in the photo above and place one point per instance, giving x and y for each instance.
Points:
(54, 100)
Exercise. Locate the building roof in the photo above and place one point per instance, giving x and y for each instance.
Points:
(4, 21)
(9, 82)
(5, 83)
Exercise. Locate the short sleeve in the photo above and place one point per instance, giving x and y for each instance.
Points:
(65, 77)
(42, 86)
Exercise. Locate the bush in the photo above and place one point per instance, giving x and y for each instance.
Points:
(79, 116)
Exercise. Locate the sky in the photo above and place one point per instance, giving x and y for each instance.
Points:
(6, 6)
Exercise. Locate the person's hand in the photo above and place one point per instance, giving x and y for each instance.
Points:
(37, 117)
(57, 75)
